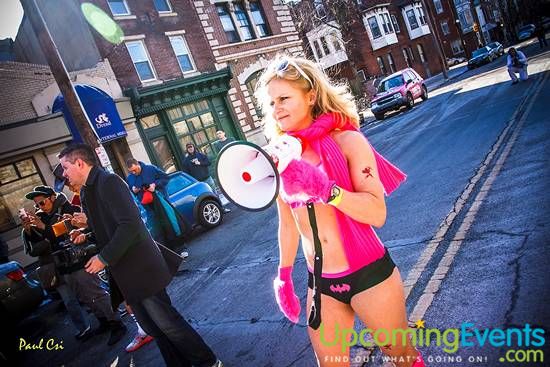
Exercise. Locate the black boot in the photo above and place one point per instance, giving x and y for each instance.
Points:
(103, 326)
(118, 329)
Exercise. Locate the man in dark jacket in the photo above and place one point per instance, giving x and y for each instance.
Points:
(136, 264)
(196, 164)
(76, 283)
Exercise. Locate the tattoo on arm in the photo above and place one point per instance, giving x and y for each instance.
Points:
(367, 172)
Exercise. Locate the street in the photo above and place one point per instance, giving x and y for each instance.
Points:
(468, 231)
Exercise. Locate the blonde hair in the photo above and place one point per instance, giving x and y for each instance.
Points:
(330, 96)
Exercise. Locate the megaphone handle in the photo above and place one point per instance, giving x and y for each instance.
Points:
(314, 320)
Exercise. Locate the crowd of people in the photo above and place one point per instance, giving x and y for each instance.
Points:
(127, 230)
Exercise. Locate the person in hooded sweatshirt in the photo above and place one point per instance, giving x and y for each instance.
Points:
(196, 164)
(75, 283)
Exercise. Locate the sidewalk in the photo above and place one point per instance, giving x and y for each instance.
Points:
(432, 83)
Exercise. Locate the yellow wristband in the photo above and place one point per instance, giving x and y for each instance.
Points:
(336, 196)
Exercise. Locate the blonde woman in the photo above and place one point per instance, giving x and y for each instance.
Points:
(330, 199)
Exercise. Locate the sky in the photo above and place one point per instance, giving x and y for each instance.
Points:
(11, 14)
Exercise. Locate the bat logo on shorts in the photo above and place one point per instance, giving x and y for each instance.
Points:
(340, 288)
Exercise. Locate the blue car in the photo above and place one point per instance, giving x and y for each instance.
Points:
(196, 200)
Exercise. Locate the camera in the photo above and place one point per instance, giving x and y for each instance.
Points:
(72, 257)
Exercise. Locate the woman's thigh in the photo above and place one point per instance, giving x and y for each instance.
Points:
(327, 341)
(382, 309)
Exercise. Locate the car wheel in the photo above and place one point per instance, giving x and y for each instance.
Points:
(210, 213)
(410, 101)
(424, 94)
(379, 116)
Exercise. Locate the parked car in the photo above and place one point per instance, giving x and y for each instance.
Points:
(195, 200)
(497, 48)
(397, 90)
(483, 55)
(19, 295)
(455, 60)
(526, 32)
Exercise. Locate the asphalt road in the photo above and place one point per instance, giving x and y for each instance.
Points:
(468, 230)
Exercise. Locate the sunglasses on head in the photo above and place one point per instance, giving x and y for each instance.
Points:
(283, 66)
(42, 202)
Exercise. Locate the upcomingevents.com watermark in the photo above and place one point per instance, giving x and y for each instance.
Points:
(518, 345)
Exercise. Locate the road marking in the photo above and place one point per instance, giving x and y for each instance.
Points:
(427, 297)
(414, 275)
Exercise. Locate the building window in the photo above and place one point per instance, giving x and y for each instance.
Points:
(395, 24)
(227, 23)
(386, 24)
(141, 60)
(325, 45)
(118, 7)
(182, 53)
(374, 28)
(411, 16)
(406, 57)
(335, 42)
(194, 123)
(163, 6)
(421, 52)
(411, 54)
(16, 179)
(456, 46)
(465, 17)
(258, 18)
(421, 15)
(445, 28)
(391, 63)
(381, 65)
(243, 22)
(251, 83)
(438, 6)
(361, 75)
(320, 8)
(317, 48)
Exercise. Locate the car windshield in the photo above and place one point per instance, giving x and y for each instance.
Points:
(493, 45)
(390, 83)
(479, 52)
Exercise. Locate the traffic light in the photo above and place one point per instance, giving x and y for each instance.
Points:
(476, 27)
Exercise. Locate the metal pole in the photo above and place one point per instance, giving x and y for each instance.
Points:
(60, 73)
(437, 40)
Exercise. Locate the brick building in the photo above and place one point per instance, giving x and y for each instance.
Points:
(362, 40)
(189, 67)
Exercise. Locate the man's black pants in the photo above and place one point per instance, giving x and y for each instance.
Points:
(179, 343)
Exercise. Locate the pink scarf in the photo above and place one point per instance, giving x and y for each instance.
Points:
(361, 244)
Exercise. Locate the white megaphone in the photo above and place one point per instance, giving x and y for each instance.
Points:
(249, 175)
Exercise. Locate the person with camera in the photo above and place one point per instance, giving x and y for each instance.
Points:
(139, 268)
(45, 236)
(517, 64)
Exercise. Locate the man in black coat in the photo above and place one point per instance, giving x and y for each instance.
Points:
(134, 261)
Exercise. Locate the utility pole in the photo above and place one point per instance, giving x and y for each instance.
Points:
(441, 53)
(59, 72)
(479, 31)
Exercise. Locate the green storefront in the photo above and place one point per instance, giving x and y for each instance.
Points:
(181, 111)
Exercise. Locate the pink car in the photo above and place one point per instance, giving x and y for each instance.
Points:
(399, 89)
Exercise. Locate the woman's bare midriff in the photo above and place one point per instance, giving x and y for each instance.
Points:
(334, 257)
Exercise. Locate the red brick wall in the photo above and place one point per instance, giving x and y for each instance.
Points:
(157, 43)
